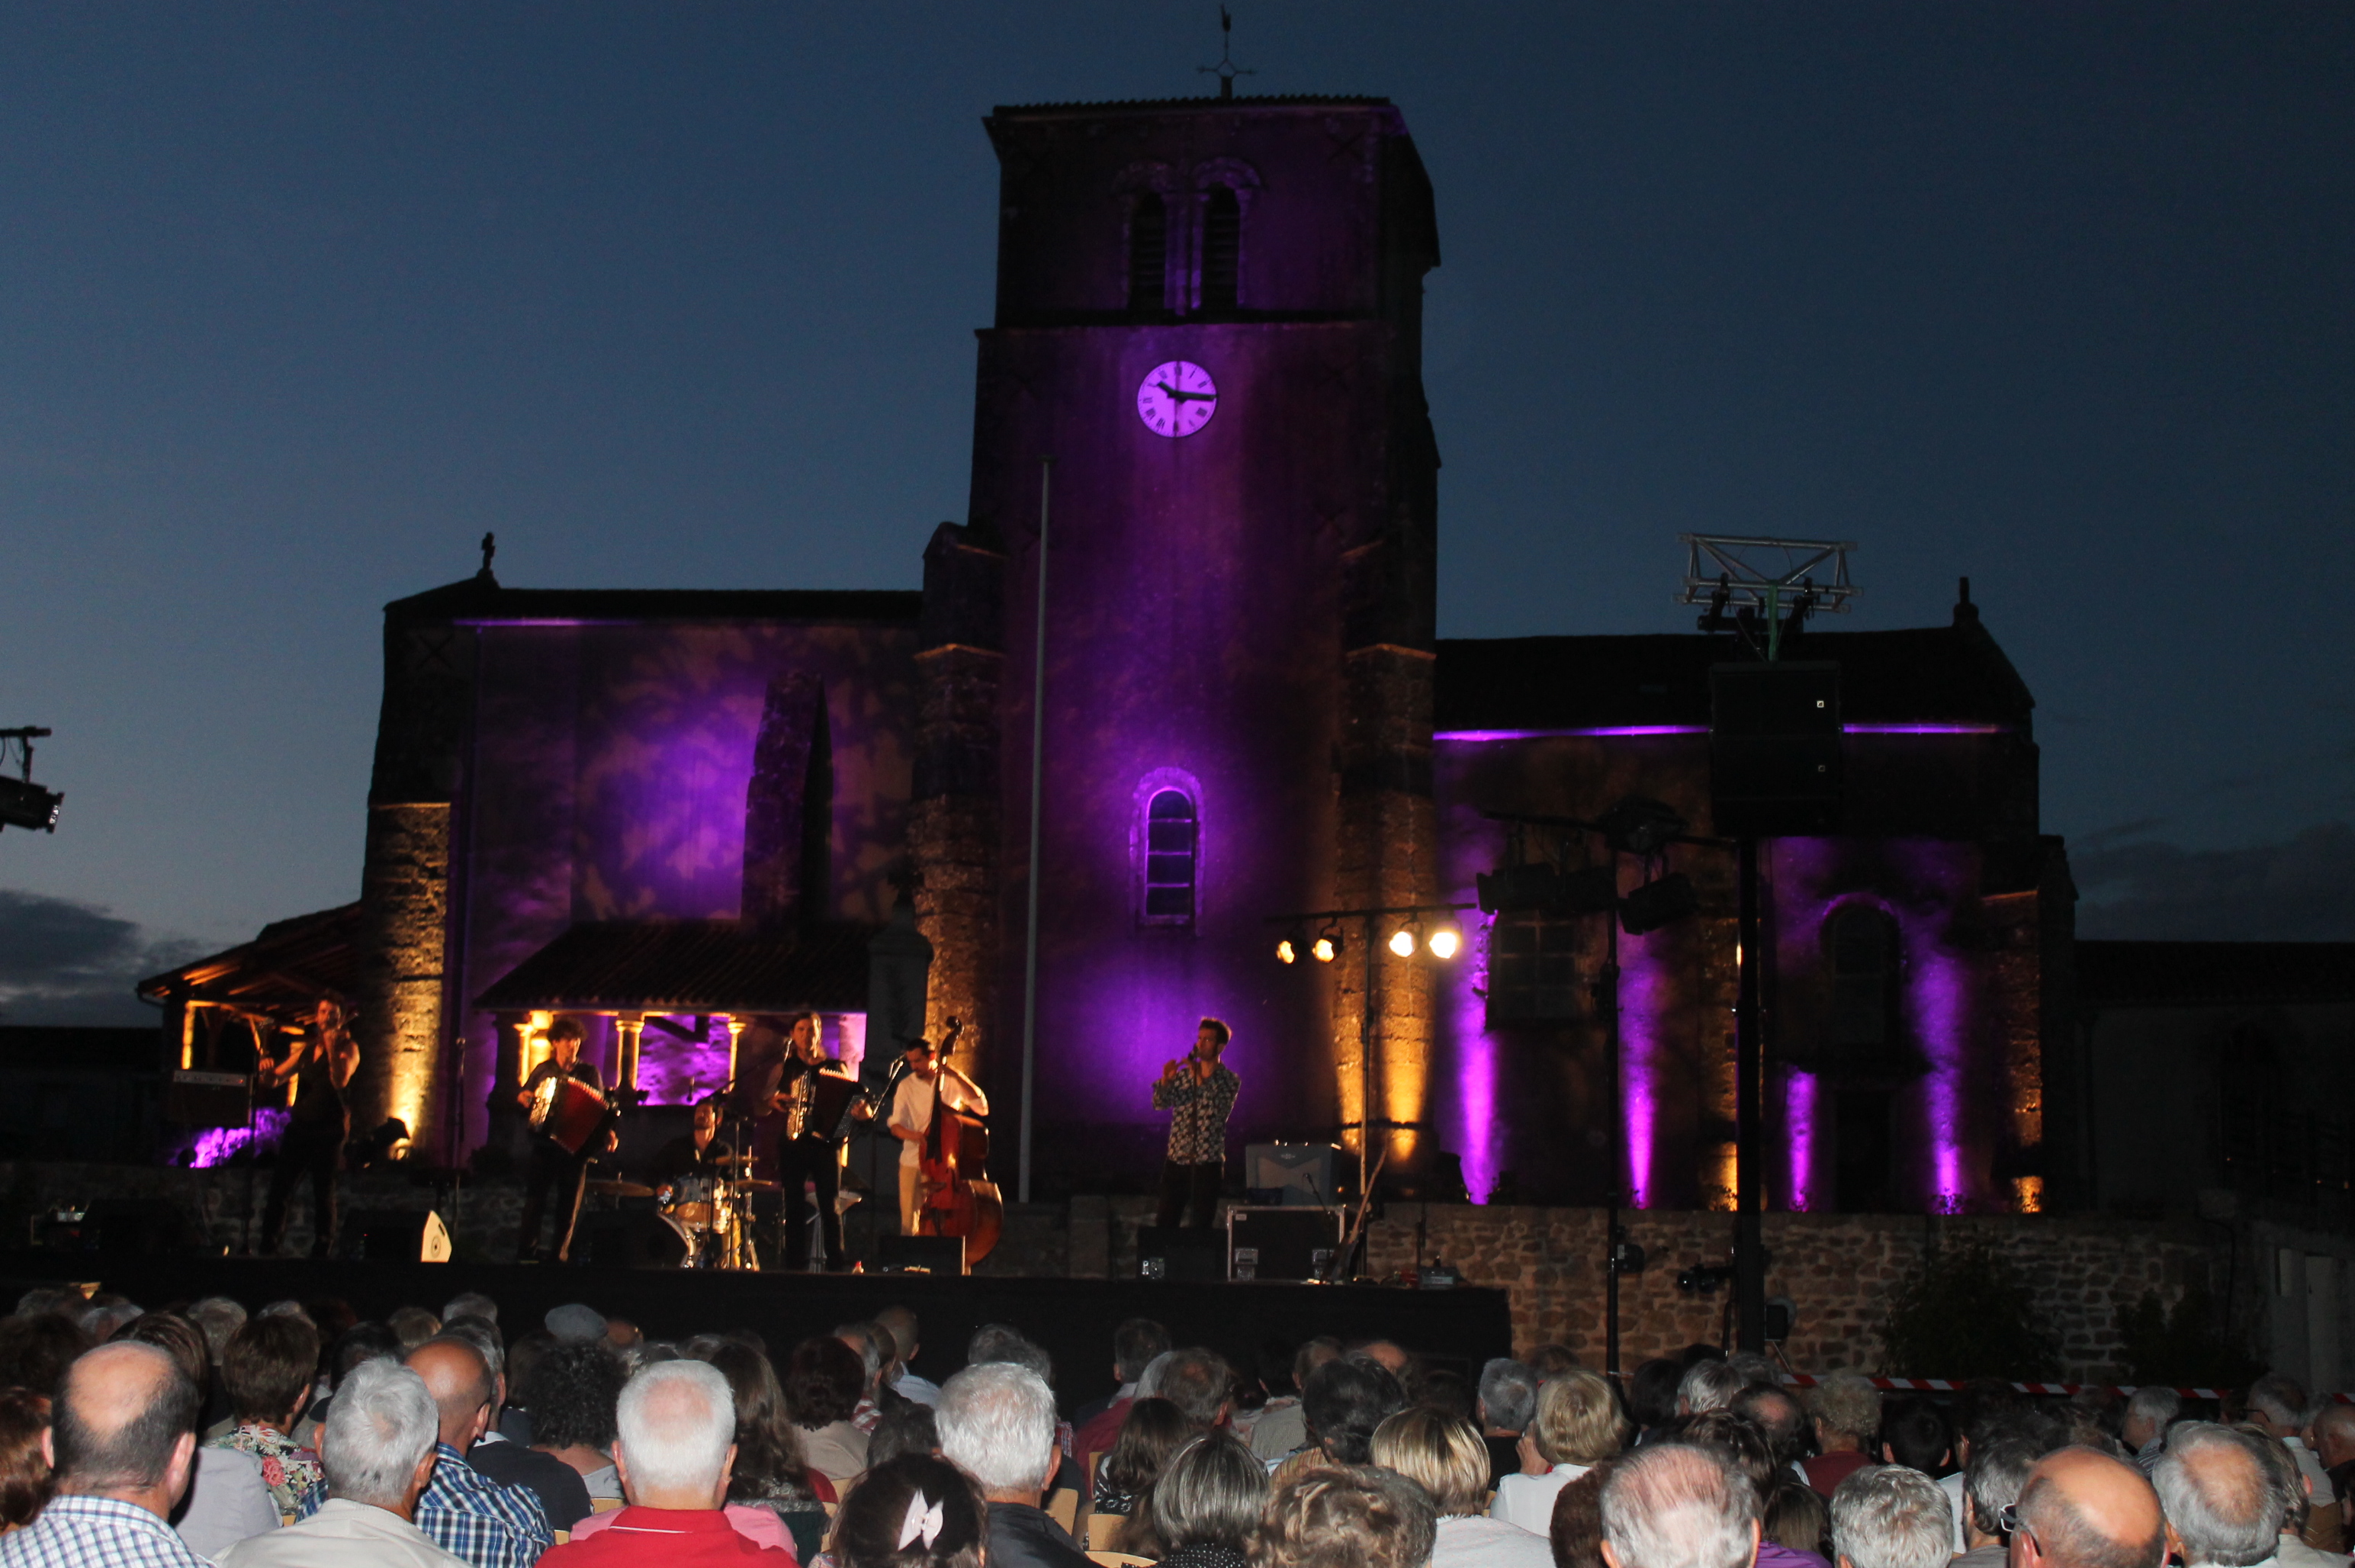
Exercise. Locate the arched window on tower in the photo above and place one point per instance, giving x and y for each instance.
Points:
(1148, 254)
(1222, 243)
(1862, 944)
(1171, 840)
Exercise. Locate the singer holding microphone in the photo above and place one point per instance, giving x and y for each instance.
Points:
(1199, 1094)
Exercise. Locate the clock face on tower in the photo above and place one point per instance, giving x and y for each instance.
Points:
(1177, 398)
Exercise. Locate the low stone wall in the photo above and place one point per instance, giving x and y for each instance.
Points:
(1838, 1269)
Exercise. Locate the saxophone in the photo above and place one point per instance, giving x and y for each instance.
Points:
(797, 1101)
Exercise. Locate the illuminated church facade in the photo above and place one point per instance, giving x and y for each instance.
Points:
(681, 814)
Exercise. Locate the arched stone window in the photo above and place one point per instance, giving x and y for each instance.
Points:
(1172, 842)
(1862, 943)
(1222, 243)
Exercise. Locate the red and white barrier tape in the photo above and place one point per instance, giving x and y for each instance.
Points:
(1943, 1385)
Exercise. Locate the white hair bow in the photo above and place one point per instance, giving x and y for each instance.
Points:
(922, 1520)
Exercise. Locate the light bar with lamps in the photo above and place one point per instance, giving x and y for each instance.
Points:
(1446, 939)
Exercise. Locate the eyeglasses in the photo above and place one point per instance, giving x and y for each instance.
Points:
(2007, 1518)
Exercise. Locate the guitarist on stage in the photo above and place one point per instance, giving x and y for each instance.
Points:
(553, 1167)
(806, 1151)
(911, 1117)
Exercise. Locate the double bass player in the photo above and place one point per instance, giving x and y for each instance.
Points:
(928, 1078)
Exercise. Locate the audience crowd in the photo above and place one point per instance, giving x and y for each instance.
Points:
(296, 1435)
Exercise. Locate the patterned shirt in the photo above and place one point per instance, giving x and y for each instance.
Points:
(474, 1517)
(1198, 1132)
(95, 1533)
(291, 1471)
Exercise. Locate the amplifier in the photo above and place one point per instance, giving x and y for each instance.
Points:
(208, 1100)
(1282, 1243)
(1293, 1175)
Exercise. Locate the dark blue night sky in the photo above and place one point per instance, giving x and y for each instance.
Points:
(296, 302)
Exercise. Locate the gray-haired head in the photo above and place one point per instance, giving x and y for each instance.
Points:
(484, 1337)
(2280, 1401)
(1709, 1385)
(860, 1337)
(1509, 1393)
(379, 1428)
(2150, 1409)
(1992, 1480)
(997, 1422)
(1756, 1369)
(1148, 1381)
(1674, 1506)
(2224, 1505)
(675, 1422)
(1886, 1516)
(220, 1317)
(2282, 1473)
(101, 1323)
(471, 1304)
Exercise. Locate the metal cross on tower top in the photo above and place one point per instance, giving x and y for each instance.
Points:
(1226, 70)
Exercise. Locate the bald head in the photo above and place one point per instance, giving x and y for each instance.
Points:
(2082, 1508)
(122, 1414)
(2334, 1434)
(459, 1379)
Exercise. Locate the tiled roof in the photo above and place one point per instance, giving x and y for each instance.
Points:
(692, 967)
(281, 973)
(1932, 675)
(2190, 974)
(476, 599)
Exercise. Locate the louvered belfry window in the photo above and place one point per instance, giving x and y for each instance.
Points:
(1170, 842)
(1223, 242)
(1148, 254)
(1863, 946)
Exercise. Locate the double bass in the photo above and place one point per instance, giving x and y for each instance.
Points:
(959, 1197)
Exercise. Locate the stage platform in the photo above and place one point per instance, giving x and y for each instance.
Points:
(1073, 1318)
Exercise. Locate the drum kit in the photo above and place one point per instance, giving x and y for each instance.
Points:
(711, 1215)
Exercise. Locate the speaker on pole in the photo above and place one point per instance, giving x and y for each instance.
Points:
(1774, 748)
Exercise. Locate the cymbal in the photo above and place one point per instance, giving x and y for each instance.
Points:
(620, 1190)
(758, 1186)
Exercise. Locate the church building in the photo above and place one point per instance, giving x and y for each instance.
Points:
(683, 814)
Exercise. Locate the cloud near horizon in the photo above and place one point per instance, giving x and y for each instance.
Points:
(2301, 888)
(62, 962)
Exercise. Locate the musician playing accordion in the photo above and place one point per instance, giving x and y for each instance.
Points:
(813, 1093)
(559, 1168)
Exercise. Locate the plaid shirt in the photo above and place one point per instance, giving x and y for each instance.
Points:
(95, 1533)
(1198, 1132)
(471, 1516)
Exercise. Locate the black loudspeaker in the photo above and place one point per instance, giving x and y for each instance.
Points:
(1197, 1257)
(927, 1255)
(416, 1237)
(1775, 749)
(630, 1238)
(149, 1225)
(1282, 1243)
(208, 1100)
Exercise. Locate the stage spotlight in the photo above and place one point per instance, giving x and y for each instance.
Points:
(1447, 940)
(1534, 886)
(1402, 942)
(1640, 826)
(1659, 904)
(1286, 952)
(23, 804)
(1328, 946)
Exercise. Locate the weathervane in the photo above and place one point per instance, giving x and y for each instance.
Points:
(1226, 70)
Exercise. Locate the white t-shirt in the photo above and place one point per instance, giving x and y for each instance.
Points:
(912, 1107)
(1527, 1500)
(1476, 1542)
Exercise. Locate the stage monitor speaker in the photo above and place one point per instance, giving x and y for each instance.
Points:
(1295, 1175)
(150, 1225)
(630, 1238)
(1193, 1256)
(416, 1236)
(208, 1100)
(926, 1254)
(1774, 748)
(1282, 1243)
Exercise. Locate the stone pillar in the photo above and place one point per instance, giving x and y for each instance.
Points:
(953, 822)
(404, 916)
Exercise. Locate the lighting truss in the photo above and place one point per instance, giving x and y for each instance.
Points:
(1722, 571)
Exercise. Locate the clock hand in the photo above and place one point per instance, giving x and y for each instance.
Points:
(1187, 397)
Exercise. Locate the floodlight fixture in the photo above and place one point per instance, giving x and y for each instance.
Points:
(1287, 952)
(1446, 939)
(1328, 946)
(1640, 826)
(23, 803)
(1658, 903)
(1403, 940)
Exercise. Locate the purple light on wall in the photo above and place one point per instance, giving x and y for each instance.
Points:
(1925, 729)
(1474, 1135)
(1799, 1135)
(1613, 730)
(1940, 1001)
(1641, 996)
(219, 1145)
